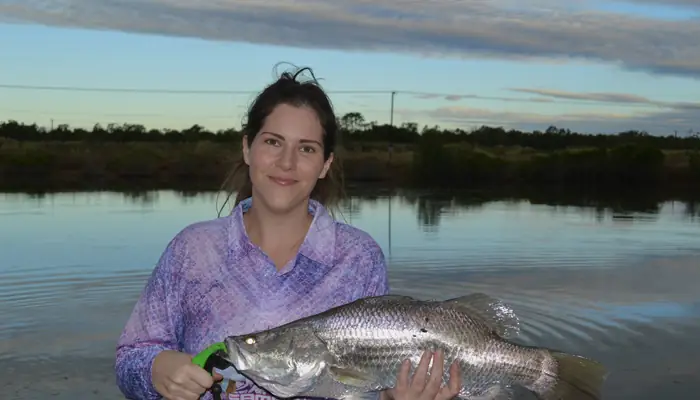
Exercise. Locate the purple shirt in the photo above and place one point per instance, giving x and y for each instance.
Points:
(212, 282)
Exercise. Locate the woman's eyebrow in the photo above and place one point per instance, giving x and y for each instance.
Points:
(280, 137)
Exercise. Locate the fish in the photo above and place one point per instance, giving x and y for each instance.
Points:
(354, 351)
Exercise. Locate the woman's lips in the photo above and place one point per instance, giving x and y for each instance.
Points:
(283, 181)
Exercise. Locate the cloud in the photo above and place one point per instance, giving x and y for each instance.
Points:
(632, 112)
(600, 97)
(683, 3)
(562, 97)
(547, 29)
(662, 122)
(458, 97)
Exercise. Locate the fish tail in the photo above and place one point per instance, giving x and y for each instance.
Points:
(575, 378)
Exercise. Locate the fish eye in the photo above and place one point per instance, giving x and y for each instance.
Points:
(250, 340)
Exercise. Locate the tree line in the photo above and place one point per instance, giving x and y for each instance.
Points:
(354, 130)
(125, 154)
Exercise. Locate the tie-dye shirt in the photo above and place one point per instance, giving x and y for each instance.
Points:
(212, 282)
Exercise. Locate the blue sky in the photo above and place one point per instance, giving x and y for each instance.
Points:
(587, 65)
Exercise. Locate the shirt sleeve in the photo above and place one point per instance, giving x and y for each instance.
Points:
(377, 279)
(153, 326)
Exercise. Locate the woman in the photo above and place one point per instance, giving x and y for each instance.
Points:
(277, 257)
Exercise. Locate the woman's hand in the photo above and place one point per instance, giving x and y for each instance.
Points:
(421, 387)
(175, 377)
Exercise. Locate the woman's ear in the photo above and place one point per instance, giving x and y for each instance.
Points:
(326, 166)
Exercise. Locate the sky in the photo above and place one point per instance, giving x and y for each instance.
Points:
(586, 65)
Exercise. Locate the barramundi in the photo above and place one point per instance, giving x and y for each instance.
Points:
(355, 350)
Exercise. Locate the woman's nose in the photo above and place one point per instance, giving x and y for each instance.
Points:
(287, 159)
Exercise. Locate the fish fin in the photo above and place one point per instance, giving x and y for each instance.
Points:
(495, 392)
(496, 314)
(371, 395)
(349, 377)
(577, 378)
(388, 297)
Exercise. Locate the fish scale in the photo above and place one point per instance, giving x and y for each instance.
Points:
(355, 350)
(407, 330)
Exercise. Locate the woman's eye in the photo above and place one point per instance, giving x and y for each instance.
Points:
(308, 149)
(272, 142)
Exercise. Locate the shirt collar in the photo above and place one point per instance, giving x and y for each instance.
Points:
(318, 245)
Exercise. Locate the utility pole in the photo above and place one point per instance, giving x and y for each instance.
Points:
(391, 117)
(391, 150)
(391, 123)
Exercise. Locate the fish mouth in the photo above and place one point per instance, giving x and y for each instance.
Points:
(249, 364)
(241, 359)
(246, 362)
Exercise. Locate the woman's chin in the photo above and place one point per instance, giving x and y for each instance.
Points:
(283, 198)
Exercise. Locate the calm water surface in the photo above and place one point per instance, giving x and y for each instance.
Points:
(618, 285)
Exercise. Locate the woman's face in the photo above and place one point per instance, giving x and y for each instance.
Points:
(286, 157)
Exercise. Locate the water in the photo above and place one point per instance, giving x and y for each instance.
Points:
(617, 282)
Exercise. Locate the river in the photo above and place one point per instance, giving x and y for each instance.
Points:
(614, 282)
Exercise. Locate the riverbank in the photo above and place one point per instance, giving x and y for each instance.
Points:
(203, 165)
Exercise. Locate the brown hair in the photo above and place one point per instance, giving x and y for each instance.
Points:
(287, 89)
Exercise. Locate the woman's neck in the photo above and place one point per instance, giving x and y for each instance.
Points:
(274, 232)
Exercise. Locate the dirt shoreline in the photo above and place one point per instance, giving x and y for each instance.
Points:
(68, 378)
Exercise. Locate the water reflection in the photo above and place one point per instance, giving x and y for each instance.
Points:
(614, 279)
(432, 205)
